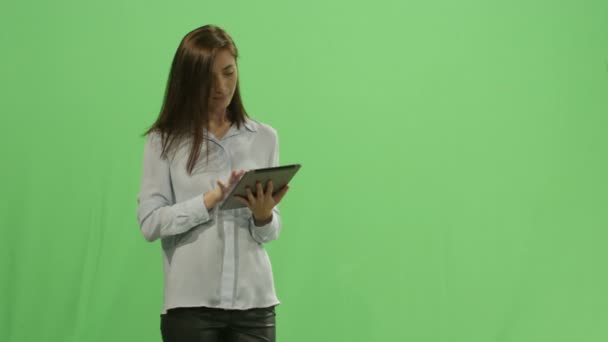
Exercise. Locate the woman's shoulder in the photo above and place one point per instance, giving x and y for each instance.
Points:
(156, 142)
(261, 127)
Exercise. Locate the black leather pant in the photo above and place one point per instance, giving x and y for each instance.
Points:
(202, 324)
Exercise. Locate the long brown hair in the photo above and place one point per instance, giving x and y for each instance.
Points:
(184, 112)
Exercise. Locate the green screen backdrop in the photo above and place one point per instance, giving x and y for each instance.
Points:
(454, 181)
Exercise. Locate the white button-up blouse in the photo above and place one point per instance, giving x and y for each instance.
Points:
(213, 258)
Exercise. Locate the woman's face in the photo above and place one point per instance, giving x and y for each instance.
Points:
(223, 83)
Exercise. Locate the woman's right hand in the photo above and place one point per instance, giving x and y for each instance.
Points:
(216, 195)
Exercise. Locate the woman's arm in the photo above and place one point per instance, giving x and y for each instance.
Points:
(158, 214)
(268, 231)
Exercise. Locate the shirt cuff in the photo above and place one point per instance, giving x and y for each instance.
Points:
(265, 232)
(194, 211)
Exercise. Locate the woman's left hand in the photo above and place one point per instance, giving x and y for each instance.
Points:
(262, 203)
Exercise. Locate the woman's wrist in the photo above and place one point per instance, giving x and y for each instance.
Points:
(263, 220)
(210, 199)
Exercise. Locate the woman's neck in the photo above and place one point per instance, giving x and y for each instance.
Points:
(218, 119)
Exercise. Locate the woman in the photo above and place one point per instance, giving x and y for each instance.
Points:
(218, 281)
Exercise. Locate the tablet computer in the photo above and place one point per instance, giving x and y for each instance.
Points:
(280, 176)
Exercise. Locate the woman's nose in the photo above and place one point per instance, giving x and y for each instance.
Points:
(218, 88)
